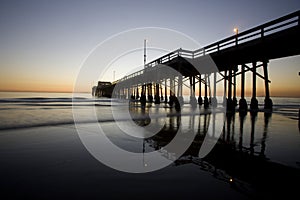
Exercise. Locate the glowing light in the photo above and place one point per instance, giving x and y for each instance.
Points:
(236, 30)
(230, 180)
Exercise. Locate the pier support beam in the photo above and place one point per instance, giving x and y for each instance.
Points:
(143, 96)
(230, 106)
(161, 93)
(225, 88)
(243, 107)
(214, 101)
(234, 86)
(173, 99)
(200, 101)
(150, 97)
(268, 101)
(193, 100)
(206, 102)
(132, 91)
(128, 94)
(166, 91)
(179, 89)
(254, 102)
(137, 96)
(230, 85)
(156, 96)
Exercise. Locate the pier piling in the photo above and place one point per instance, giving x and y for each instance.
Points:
(254, 102)
(268, 101)
(200, 100)
(243, 107)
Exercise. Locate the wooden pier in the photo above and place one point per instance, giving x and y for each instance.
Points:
(234, 57)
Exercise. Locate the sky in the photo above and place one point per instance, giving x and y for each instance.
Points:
(43, 44)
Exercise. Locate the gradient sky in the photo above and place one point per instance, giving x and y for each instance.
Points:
(43, 43)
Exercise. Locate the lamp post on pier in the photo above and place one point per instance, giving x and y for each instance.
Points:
(236, 30)
(145, 41)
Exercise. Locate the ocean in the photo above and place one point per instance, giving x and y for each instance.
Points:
(42, 156)
(29, 109)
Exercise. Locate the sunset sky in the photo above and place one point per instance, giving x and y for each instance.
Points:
(44, 43)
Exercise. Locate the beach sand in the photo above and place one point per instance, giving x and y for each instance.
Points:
(50, 162)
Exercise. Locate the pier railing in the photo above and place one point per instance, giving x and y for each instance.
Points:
(259, 32)
(280, 24)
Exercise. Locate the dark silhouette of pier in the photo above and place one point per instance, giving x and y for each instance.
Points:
(234, 57)
(236, 159)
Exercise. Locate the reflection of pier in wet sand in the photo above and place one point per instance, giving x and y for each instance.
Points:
(237, 158)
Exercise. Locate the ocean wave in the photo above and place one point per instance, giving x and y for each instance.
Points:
(60, 123)
(54, 100)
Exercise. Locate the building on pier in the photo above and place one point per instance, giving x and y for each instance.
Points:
(103, 89)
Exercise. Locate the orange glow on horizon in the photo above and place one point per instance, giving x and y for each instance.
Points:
(35, 87)
(275, 92)
(283, 74)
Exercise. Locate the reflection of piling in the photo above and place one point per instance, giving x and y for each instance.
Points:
(253, 119)
(242, 119)
(263, 140)
(233, 127)
(228, 122)
(299, 120)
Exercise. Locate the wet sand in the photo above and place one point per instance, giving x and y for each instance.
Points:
(51, 163)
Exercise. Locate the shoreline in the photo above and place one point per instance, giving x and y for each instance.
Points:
(277, 110)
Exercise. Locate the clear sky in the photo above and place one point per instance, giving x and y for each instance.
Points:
(43, 43)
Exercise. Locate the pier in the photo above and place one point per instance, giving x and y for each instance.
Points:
(234, 56)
